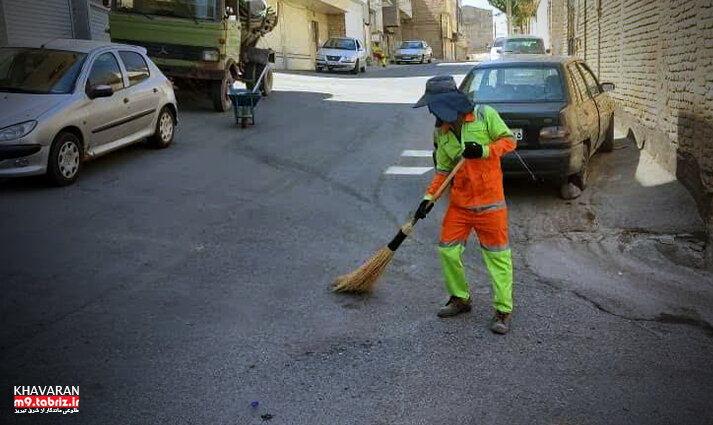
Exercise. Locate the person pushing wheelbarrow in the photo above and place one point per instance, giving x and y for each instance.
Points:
(477, 202)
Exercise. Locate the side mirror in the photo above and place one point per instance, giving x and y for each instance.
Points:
(498, 50)
(548, 51)
(100, 91)
(608, 86)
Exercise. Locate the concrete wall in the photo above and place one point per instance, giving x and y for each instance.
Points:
(430, 20)
(477, 27)
(292, 38)
(660, 56)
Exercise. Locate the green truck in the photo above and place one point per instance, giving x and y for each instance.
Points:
(205, 44)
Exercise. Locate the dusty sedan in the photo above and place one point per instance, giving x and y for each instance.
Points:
(558, 111)
(70, 100)
(416, 51)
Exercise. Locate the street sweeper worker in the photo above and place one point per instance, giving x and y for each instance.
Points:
(477, 200)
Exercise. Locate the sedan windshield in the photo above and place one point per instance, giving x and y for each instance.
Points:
(194, 9)
(514, 84)
(40, 71)
(524, 45)
(340, 43)
(411, 45)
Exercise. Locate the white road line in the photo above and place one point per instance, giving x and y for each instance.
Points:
(417, 153)
(407, 171)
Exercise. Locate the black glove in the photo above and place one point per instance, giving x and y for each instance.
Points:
(423, 209)
(472, 150)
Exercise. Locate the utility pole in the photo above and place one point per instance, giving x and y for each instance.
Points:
(508, 11)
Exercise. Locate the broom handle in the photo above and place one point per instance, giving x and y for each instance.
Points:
(406, 228)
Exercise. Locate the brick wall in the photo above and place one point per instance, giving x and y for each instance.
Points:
(660, 56)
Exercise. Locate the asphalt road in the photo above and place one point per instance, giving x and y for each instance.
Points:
(178, 286)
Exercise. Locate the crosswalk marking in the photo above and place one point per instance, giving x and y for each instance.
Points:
(412, 171)
(417, 153)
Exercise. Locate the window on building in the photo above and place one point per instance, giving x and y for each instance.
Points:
(136, 67)
(105, 72)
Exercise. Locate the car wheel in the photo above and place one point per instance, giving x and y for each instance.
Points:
(608, 144)
(430, 57)
(165, 129)
(423, 58)
(581, 178)
(356, 68)
(219, 92)
(65, 159)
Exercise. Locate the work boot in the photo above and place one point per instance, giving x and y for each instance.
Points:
(454, 307)
(500, 323)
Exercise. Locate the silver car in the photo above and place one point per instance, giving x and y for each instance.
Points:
(413, 51)
(66, 101)
(517, 44)
(341, 53)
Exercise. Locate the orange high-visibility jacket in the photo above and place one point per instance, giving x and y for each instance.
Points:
(478, 184)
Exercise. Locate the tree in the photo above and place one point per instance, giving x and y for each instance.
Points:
(522, 11)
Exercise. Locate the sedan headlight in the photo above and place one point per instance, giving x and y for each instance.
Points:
(16, 131)
(211, 55)
(350, 59)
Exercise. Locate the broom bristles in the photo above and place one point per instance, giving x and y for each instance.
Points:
(364, 278)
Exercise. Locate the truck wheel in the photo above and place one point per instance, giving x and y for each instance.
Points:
(266, 86)
(219, 92)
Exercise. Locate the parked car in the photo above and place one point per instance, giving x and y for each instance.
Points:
(558, 111)
(67, 101)
(416, 51)
(517, 44)
(342, 53)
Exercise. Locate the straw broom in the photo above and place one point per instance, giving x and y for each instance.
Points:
(364, 278)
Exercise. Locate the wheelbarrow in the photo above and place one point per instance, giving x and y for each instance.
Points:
(245, 100)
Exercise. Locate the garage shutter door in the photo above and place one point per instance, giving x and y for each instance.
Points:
(100, 21)
(37, 20)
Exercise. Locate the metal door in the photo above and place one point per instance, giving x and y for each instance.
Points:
(106, 116)
(142, 93)
(41, 20)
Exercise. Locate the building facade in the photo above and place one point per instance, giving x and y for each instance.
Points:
(304, 25)
(438, 23)
(395, 14)
(660, 56)
(27, 20)
(477, 28)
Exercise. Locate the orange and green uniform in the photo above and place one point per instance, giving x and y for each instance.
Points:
(477, 202)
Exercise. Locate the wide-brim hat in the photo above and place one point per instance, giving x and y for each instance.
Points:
(443, 99)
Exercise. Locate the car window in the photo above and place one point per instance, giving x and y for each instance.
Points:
(498, 42)
(105, 71)
(136, 67)
(578, 81)
(515, 84)
(340, 43)
(39, 71)
(590, 80)
(524, 45)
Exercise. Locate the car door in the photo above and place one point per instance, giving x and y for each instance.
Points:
(601, 99)
(362, 53)
(142, 94)
(106, 115)
(589, 114)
